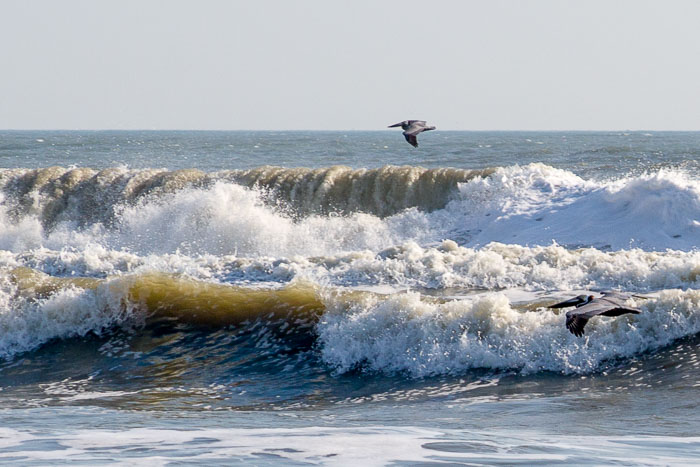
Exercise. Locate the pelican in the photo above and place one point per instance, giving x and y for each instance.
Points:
(588, 306)
(411, 128)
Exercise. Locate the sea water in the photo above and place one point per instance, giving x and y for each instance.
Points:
(305, 298)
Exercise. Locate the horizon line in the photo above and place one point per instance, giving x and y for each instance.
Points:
(356, 130)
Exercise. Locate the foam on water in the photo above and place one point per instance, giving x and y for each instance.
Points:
(221, 219)
(365, 445)
(165, 212)
(294, 303)
(537, 204)
(38, 307)
(446, 265)
(497, 265)
(389, 333)
(513, 228)
(26, 322)
(405, 334)
(228, 219)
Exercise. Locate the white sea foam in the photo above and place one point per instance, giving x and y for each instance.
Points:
(28, 322)
(357, 445)
(230, 219)
(531, 205)
(538, 204)
(498, 265)
(406, 334)
(447, 265)
(513, 229)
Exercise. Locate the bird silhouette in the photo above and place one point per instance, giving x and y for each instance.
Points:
(411, 129)
(588, 306)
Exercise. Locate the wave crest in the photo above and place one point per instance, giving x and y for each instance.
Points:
(408, 334)
(87, 196)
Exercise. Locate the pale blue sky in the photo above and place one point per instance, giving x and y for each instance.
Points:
(315, 64)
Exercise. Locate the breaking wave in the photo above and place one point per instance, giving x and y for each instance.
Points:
(88, 196)
(405, 333)
(84, 252)
(273, 211)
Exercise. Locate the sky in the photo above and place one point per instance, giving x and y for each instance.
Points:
(350, 65)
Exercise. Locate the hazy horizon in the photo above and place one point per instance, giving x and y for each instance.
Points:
(340, 66)
(338, 130)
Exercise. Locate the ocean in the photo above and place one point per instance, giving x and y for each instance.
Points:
(341, 298)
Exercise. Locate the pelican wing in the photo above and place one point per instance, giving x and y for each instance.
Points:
(398, 124)
(414, 127)
(570, 302)
(614, 295)
(607, 305)
(419, 122)
(412, 140)
(575, 323)
(576, 319)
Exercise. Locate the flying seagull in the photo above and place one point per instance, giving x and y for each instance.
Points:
(588, 306)
(411, 128)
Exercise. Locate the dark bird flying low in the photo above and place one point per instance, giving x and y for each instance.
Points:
(411, 129)
(588, 306)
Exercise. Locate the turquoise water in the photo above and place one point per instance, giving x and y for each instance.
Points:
(414, 329)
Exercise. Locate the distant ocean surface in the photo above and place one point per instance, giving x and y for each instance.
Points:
(296, 298)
